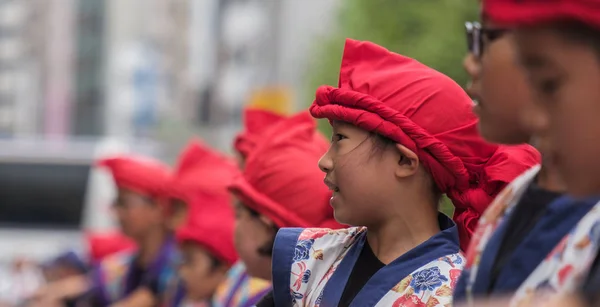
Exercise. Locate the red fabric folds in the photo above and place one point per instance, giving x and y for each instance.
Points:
(533, 12)
(138, 174)
(256, 121)
(201, 179)
(424, 110)
(102, 245)
(281, 179)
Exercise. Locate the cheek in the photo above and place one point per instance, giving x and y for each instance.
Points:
(195, 278)
(246, 238)
(178, 218)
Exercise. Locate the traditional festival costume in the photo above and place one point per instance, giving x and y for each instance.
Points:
(395, 96)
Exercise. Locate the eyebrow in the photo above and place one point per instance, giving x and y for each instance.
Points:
(535, 62)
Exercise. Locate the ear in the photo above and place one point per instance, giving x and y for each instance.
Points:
(407, 162)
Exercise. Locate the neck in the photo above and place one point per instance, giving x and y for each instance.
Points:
(549, 179)
(403, 232)
(149, 247)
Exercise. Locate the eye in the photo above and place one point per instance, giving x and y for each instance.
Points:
(549, 86)
(337, 137)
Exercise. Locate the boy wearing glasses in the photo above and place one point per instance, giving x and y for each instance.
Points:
(142, 277)
(528, 220)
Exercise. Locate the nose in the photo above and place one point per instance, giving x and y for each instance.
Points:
(326, 162)
(534, 118)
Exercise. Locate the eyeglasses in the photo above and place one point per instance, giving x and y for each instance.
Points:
(476, 34)
(131, 200)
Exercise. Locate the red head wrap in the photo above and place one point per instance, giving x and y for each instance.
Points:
(424, 110)
(281, 179)
(138, 174)
(201, 180)
(102, 245)
(256, 121)
(532, 12)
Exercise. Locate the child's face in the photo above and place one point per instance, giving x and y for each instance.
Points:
(252, 234)
(565, 82)
(137, 214)
(178, 212)
(199, 272)
(360, 176)
(498, 85)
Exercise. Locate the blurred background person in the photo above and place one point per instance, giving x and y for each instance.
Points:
(205, 238)
(548, 38)
(140, 213)
(531, 218)
(279, 187)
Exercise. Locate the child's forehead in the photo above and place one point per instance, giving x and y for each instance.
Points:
(338, 124)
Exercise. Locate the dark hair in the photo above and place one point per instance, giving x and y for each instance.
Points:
(578, 32)
(381, 143)
(267, 249)
(215, 262)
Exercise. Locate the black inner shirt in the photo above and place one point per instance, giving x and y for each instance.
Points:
(590, 289)
(527, 212)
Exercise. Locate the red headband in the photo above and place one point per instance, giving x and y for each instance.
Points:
(281, 179)
(201, 180)
(424, 110)
(533, 12)
(256, 121)
(139, 174)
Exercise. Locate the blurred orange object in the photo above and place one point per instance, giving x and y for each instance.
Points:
(276, 99)
(105, 244)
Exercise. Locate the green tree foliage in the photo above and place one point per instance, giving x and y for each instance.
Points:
(431, 31)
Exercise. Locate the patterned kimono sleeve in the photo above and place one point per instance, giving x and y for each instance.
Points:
(431, 285)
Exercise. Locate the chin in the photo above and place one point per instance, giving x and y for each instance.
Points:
(343, 219)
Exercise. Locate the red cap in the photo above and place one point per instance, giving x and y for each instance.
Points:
(533, 12)
(424, 110)
(102, 245)
(139, 174)
(281, 179)
(201, 180)
(256, 121)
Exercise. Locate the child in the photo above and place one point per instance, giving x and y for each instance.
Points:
(280, 187)
(558, 47)
(534, 218)
(124, 278)
(403, 134)
(241, 290)
(206, 238)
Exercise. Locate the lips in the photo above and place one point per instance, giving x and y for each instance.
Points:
(473, 94)
(332, 187)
